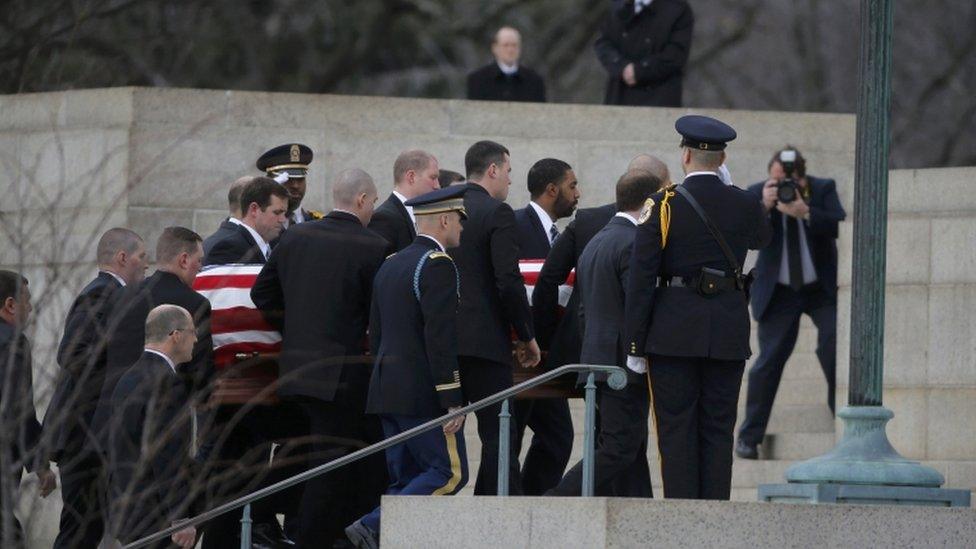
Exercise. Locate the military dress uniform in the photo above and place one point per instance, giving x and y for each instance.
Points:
(289, 161)
(415, 375)
(695, 338)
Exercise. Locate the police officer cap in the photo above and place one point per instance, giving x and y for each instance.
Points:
(448, 199)
(292, 159)
(704, 133)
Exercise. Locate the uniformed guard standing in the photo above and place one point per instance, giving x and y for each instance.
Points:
(686, 310)
(288, 164)
(413, 335)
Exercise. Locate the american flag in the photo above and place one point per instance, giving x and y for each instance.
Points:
(239, 331)
(530, 272)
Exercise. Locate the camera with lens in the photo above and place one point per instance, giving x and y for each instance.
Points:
(787, 189)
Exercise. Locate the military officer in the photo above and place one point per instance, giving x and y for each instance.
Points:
(413, 334)
(288, 164)
(686, 311)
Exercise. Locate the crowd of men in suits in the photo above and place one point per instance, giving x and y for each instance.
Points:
(384, 317)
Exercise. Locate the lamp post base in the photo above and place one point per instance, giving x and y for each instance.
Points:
(864, 468)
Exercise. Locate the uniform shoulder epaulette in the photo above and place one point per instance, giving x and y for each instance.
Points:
(391, 255)
(438, 255)
(315, 214)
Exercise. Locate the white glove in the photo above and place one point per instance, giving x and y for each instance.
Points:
(637, 364)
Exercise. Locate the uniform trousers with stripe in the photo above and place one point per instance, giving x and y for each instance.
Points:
(434, 463)
(695, 403)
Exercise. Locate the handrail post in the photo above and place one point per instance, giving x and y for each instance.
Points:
(589, 424)
(504, 429)
(246, 527)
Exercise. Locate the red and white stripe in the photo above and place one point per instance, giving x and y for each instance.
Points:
(236, 324)
(530, 272)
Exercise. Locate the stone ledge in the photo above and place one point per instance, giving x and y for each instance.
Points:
(492, 522)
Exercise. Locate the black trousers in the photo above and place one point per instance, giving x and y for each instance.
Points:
(695, 402)
(552, 442)
(82, 489)
(621, 467)
(332, 501)
(238, 463)
(778, 329)
(481, 378)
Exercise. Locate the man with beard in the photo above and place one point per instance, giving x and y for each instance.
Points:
(554, 195)
(288, 165)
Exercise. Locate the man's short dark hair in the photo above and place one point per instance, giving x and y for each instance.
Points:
(260, 190)
(10, 285)
(481, 155)
(799, 167)
(544, 172)
(634, 187)
(174, 241)
(447, 177)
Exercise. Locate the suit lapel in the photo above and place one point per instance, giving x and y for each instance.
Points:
(537, 225)
(404, 213)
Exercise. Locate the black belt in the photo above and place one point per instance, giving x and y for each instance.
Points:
(692, 282)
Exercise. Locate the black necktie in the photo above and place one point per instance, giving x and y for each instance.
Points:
(793, 251)
(553, 233)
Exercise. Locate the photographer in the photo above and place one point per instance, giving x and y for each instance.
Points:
(795, 275)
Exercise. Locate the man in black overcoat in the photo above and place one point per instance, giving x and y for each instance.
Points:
(505, 79)
(493, 302)
(644, 46)
(318, 282)
(82, 355)
(687, 315)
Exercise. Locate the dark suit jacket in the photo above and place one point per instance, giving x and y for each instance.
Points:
(493, 300)
(320, 278)
(677, 321)
(532, 238)
(601, 277)
(148, 449)
(489, 83)
(19, 416)
(562, 337)
(657, 41)
(392, 221)
(225, 228)
(83, 357)
(821, 231)
(413, 333)
(233, 244)
(127, 336)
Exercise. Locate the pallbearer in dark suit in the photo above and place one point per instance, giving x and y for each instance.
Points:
(264, 204)
(288, 164)
(601, 279)
(320, 277)
(82, 355)
(413, 334)
(687, 314)
(20, 431)
(560, 337)
(493, 301)
(554, 194)
(234, 209)
(796, 275)
(149, 435)
(415, 172)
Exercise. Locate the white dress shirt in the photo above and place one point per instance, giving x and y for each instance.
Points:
(115, 276)
(262, 245)
(403, 200)
(439, 245)
(547, 221)
(168, 360)
(626, 216)
(507, 69)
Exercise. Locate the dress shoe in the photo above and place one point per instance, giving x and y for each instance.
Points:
(269, 536)
(746, 451)
(361, 536)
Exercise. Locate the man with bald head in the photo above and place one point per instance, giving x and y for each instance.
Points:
(323, 366)
(504, 79)
(121, 261)
(415, 172)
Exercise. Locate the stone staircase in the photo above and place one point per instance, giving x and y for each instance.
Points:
(800, 427)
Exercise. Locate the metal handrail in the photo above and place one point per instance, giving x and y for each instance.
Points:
(616, 379)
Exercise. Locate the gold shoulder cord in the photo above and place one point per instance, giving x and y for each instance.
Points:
(666, 214)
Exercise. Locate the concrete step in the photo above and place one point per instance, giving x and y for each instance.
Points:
(794, 446)
(750, 473)
(804, 418)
